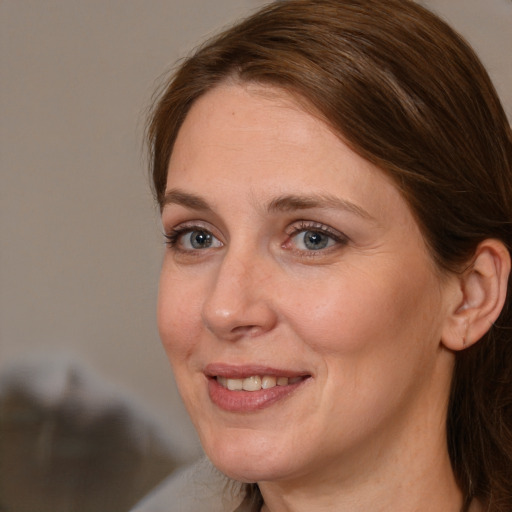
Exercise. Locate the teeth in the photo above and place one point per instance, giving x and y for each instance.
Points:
(268, 382)
(235, 384)
(255, 383)
(251, 384)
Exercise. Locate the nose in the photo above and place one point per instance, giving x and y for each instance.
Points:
(239, 302)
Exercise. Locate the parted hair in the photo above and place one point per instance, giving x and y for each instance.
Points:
(408, 94)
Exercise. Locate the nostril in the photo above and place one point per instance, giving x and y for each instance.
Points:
(249, 330)
(245, 317)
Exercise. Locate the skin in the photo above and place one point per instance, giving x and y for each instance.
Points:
(364, 317)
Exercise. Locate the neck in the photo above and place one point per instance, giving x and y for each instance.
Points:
(475, 506)
(432, 489)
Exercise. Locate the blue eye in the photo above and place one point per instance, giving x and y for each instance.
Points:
(197, 240)
(190, 239)
(309, 240)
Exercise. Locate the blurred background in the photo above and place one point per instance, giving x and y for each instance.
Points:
(90, 418)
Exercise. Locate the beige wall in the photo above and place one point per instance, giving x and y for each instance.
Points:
(79, 237)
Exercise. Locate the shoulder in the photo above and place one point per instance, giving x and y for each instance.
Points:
(195, 488)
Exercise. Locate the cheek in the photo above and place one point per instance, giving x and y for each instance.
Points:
(178, 312)
(178, 318)
(357, 311)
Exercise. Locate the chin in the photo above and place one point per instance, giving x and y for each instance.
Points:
(248, 457)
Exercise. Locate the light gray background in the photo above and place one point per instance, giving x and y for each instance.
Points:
(80, 243)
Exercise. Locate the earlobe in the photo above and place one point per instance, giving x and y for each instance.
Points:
(483, 290)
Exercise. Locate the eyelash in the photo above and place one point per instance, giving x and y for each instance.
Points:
(315, 227)
(172, 238)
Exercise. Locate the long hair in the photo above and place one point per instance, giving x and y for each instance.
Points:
(405, 92)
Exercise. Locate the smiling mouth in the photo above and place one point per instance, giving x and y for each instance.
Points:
(257, 382)
(251, 388)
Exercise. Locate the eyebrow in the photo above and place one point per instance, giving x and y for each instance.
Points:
(324, 201)
(186, 200)
(286, 203)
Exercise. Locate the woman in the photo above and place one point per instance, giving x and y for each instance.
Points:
(335, 182)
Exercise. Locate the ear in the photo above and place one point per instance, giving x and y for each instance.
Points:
(482, 294)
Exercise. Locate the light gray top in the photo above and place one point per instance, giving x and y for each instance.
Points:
(196, 488)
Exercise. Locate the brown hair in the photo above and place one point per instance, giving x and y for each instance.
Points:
(409, 95)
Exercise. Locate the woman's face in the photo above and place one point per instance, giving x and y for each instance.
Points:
(295, 270)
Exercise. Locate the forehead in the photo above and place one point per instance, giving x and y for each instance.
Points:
(254, 122)
(244, 114)
(259, 141)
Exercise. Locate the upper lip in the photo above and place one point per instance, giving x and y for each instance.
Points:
(230, 371)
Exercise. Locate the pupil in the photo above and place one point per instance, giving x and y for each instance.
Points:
(200, 240)
(313, 240)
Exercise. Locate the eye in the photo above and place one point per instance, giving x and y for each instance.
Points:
(312, 240)
(197, 240)
(192, 239)
(311, 237)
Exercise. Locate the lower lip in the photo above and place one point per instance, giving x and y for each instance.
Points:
(248, 401)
